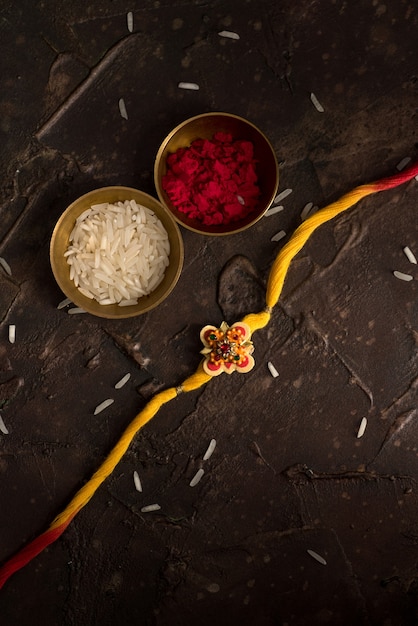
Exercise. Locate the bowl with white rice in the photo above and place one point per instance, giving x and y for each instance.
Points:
(116, 252)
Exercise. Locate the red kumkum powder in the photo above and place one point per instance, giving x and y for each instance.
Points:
(213, 181)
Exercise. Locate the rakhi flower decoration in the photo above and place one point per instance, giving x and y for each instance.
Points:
(227, 348)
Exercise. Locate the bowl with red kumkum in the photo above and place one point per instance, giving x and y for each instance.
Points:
(217, 173)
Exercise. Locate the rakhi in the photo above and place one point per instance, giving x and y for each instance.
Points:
(225, 349)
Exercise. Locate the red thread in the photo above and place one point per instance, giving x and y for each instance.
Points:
(397, 179)
(30, 551)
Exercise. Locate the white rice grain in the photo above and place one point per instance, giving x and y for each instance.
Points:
(317, 557)
(273, 210)
(306, 210)
(130, 302)
(402, 276)
(12, 333)
(272, 369)
(210, 450)
(3, 428)
(130, 21)
(229, 34)
(191, 86)
(5, 266)
(122, 381)
(86, 293)
(410, 255)
(76, 310)
(403, 163)
(282, 195)
(103, 405)
(362, 428)
(64, 303)
(278, 235)
(318, 106)
(197, 477)
(150, 507)
(137, 482)
(122, 109)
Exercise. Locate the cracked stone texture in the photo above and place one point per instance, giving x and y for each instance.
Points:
(288, 473)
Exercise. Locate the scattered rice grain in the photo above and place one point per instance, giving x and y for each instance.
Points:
(122, 381)
(410, 255)
(282, 195)
(306, 210)
(273, 210)
(12, 333)
(229, 34)
(137, 482)
(402, 276)
(197, 477)
(75, 310)
(130, 21)
(5, 266)
(402, 164)
(318, 106)
(317, 557)
(3, 428)
(122, 109)
(272, 369)
(150, 507)
(210, 450)
(103, 405)
(362, 427)
(64, 303)
(278, 235)
(191, 86)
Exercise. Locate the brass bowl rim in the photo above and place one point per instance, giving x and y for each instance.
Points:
(104, 311)
(157, 181)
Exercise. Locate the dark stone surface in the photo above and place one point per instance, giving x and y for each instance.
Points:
(288, 473)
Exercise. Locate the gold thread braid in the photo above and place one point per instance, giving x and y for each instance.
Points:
(301, 235)
(257, 320)
(196, 380)
(115, 455)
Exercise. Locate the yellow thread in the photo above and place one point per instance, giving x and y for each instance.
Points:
(257, 320)
(196, 380)
(87, 491)
(301, 235)
(82, 497)
(254, 320)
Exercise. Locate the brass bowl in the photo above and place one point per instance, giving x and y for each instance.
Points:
(60, 241)
(204, 126)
